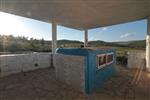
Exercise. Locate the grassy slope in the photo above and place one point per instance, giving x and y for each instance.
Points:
(15, 44)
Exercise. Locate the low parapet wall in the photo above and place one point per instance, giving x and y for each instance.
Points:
(15, 63)
(136, 59)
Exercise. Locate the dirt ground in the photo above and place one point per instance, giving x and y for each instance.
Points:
(42, 85)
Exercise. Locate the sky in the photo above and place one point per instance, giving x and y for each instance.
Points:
(21, 26)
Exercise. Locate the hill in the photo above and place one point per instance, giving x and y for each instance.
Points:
(23, 44)
(139, 43)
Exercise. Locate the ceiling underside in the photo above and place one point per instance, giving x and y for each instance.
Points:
(79, 14)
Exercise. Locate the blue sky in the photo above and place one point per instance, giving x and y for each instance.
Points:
(20, 26)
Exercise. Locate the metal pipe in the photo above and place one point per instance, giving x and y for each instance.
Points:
(148, 45)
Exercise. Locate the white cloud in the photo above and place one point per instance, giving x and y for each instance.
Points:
(104, 28)
(127, 35)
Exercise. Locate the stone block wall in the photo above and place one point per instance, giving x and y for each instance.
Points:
(15, 63)
(135, 59)
(70, 70)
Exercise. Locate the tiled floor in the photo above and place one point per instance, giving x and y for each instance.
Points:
(42, 85)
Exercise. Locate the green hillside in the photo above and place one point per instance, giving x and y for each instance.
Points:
(13, 44)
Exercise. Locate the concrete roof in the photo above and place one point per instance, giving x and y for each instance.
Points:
(79, 14)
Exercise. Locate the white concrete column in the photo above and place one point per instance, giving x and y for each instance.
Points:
(148, 45)
(54, 37)
(85, 38)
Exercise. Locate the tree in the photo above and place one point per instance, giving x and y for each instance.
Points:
(42, 41)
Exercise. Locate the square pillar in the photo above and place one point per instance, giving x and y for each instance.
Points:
(148, 45)
(85, 38)
(54, 37)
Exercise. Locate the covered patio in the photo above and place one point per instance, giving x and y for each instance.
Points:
(82, 15)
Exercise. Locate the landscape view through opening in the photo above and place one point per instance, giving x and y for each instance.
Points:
(19, 34)
(80, 60)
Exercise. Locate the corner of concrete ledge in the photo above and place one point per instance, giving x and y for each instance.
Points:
(148, 70)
